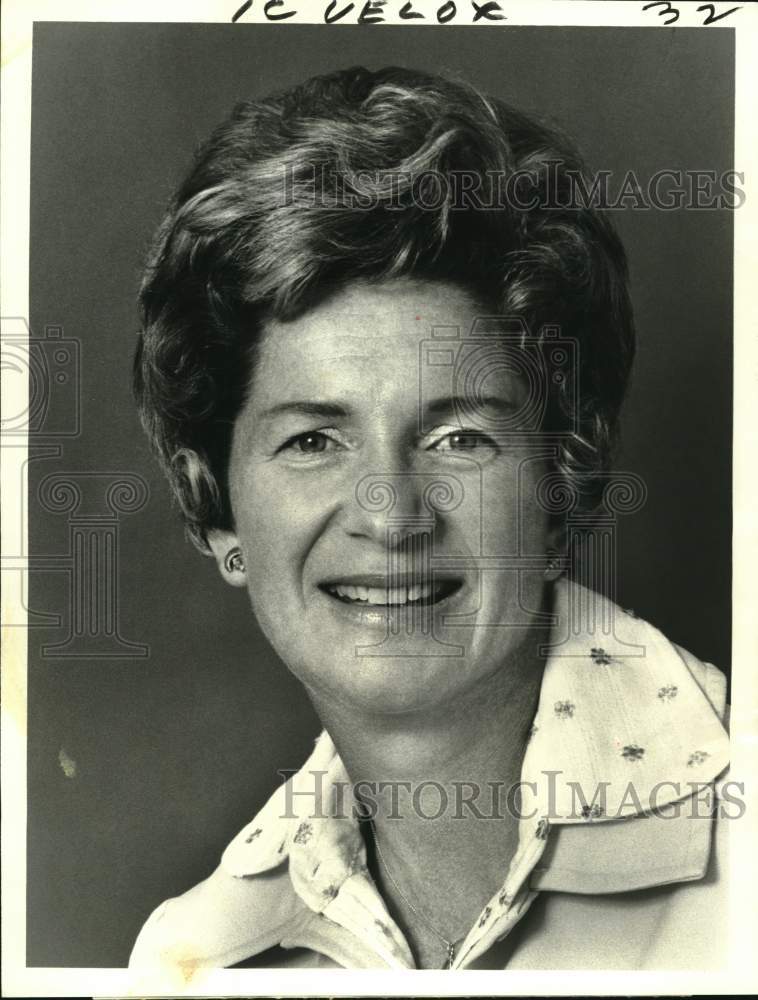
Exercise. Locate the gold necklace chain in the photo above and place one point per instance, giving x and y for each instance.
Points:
(449, 945)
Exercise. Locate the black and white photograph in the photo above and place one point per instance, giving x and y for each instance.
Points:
(378, 449)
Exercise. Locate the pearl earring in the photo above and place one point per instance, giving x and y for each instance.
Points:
(234, 561)
(553, 569)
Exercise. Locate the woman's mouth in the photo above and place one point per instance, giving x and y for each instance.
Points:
(396, 595)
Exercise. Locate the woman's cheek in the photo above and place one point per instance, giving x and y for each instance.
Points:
(507, 509)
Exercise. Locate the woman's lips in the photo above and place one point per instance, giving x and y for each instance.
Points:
(392, 594)
(405, 606)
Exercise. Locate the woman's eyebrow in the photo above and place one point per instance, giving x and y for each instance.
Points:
(307, 407)
(440, 406)
(464, 405)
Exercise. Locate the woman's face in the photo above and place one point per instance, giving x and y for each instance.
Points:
(380, 518)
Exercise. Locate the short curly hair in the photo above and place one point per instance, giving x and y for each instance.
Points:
(339, 179)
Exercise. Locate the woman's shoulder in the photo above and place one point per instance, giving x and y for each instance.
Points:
(711, 680)
(217, 923)
(245, 906)
(680, 925)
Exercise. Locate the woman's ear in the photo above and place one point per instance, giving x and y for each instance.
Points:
(228, 555)
(556, 552)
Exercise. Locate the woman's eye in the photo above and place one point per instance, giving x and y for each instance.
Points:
(309, 443)
(463, 441)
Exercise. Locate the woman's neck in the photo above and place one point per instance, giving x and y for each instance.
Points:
(439, 787)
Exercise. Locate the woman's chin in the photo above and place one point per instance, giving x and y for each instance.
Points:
(384, 659)
(385, 684)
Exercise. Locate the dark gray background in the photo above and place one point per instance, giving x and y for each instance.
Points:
(176, 751)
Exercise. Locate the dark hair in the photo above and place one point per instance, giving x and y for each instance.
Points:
(350, 176)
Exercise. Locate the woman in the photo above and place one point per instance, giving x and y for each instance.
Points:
(383, 354)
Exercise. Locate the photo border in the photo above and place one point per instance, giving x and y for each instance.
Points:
(18, 980)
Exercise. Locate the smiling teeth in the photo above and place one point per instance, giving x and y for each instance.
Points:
(378, 595)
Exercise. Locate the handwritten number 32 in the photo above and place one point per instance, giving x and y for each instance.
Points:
(673, 12)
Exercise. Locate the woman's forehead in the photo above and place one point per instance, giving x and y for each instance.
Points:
(376, 317)
(384, 342)
(361, 305)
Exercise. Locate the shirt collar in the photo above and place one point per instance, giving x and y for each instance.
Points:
(619, 713)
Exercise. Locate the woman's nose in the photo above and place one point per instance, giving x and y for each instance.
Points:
(390, 507)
